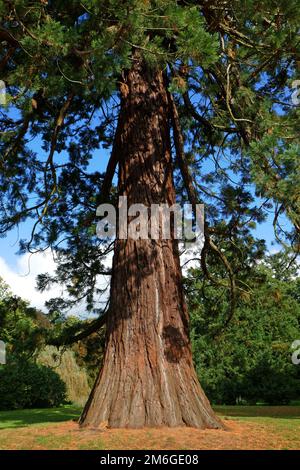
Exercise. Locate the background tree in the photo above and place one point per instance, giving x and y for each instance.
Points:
(85, 74)
(31, 360)
(22, 327)
(29, 385)
(249, 361)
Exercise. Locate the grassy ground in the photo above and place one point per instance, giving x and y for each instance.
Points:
(23, 418)
(248, 427)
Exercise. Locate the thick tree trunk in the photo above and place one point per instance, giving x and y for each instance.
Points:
(148, 378)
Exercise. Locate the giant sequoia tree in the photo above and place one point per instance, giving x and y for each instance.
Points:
(194, 100)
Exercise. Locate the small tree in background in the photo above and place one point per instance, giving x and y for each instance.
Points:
(29, 385)
(249, 360)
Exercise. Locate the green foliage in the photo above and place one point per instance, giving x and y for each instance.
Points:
(193, 42)
(28, 385)
(250, 359)
(230, 67)
(282, 181)
(64, 363)
(22, 327)
(27, 331)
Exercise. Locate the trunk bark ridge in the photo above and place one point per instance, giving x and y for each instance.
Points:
(148, 377)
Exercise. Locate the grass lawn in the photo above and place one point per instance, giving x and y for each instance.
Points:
(248, 427)
(22, 418)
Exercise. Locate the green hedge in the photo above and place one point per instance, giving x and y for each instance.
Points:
(29, 385)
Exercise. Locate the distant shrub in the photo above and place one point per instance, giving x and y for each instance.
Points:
(75, 377)
(271, 384)
(30, 385)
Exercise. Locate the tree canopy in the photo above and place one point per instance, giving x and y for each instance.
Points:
(230, 67)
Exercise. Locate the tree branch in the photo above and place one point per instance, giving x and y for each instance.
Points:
(112, 163)
(66, 339)
(193, 197)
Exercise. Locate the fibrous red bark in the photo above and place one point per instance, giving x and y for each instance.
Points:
(148, 377)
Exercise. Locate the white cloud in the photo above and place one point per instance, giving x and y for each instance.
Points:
(190, 256)
(21, 278)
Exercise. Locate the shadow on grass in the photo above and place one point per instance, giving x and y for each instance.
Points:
(259, 411)
(22, 418)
